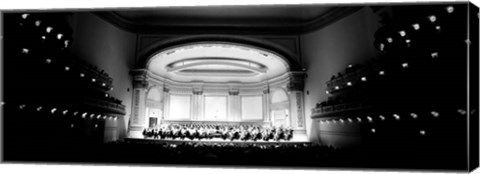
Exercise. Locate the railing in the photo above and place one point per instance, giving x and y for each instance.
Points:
(106, 105)
(338, 108)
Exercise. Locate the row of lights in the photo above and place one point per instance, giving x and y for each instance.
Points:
(48, 29)
(421, 131)
(416, 26)
(67, 68)
(75, 113)
(382, 72)
(369, 119)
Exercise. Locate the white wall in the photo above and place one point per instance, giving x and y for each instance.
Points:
(109, 48)
(330, 50)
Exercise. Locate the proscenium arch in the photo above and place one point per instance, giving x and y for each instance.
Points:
(148, 52)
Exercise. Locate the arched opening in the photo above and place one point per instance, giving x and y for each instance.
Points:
(280, 113)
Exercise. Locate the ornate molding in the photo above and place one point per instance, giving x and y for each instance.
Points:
(296, 82)
(233, 92)
(139, 78)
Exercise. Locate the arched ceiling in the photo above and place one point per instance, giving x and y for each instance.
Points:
(217, 62)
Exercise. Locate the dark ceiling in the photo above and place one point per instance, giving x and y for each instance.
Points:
(271, 18)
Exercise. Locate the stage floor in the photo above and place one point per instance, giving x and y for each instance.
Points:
(213, 140)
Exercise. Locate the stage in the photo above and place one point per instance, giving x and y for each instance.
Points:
(213, 141)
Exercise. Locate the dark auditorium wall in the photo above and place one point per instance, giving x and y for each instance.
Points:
(110, 49)
(328, 51)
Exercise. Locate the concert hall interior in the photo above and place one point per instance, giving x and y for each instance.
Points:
(311, 85)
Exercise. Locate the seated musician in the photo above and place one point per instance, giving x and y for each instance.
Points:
(144, 133)
(155, 134)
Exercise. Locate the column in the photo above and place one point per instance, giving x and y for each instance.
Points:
(234, 105)
(266, 104)
(197, 105)
(166, 103)
(138, 118)
(295, 91)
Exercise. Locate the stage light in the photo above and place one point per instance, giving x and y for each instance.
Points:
(450, 9)
(53, 110)
(369, 119)
(408, 41)
(349, 83)
(432, 18)
(336, 87)
(25, 51)
(59, 36)
(39, 108)
(381, 73)
(390, 40)
(71, 126)
(413, 115)
(75, 113)
(65, 112)
(82, 75)
(405, 65)
(416, 26)
(67, 68)
(37, 23)
(438, 27)
(382, 46)
(462, 112)
(66, 43)
(435, 113)
(402, 33)
(22, 106)
(434, 55)
(350, 120)
(373, 130)
(381, 117)
(359, 119)
(49, 29)
(94, 80)
(25, 15)
(364, 79)
(422, 132)
(396, 116)
(48, 61)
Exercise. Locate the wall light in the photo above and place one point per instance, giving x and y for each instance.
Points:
(390, 40)
(435, 113)
(67, 68)
(349, 83)
(37, 23)
(432, 18)
(24, 16)
(450, 9)
(59, 36)
(405, 65)
(402, 33)
(416, 26)
(364, 79)
(82, 75)
(25, 51)
(413, 115)
(49, 29)
(434, 55)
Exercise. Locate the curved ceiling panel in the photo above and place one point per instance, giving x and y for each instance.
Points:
(217, 62)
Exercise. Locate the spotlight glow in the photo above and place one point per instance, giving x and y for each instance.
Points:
(422, 132)
(82, 75)
(402, 33)
(25, 51)
(373, 131)
(65, 112)
(37, 23)
(103, 84)
(416, 26)
(22, 106)
(67, 68)
(434, 54)
(364, 79)
(432, 18)
(408, 41)
(44, 37)
(341, 121)
(369, 119)
(438, 27)
(359, 119)
(382, 47)
(350, 120)
(39, 108)
(349, 83)
(413, 115)
(59, 36)
(75, 113)
(435, 114)
(450, 9)
(24, 16)
(327, 92)
(48, 61)
(71, 125)
(405, 65)
(462, 111)
(49, 29)
(381, 117)
(94, 80)
(336, 87)
(389, 40)
(53, 110)
(397, 117)
(381, 73)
